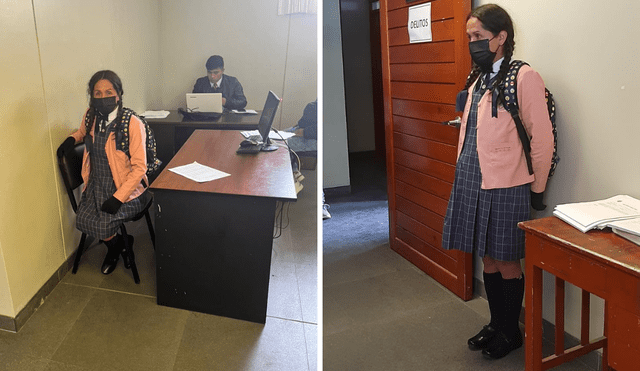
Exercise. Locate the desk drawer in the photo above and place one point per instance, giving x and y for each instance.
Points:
(573, 268)
(623, 338)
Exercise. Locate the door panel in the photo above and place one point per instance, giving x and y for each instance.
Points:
(420, 83)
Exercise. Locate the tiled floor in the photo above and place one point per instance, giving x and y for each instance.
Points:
(96, 322)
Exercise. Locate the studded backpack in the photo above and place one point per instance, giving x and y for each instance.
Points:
(122, 138)
(510, 90)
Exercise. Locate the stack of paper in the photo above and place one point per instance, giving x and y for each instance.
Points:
(628, 228)
(155, 114)
(621, 213)
(280, 135)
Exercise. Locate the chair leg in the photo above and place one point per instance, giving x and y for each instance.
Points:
(129, 249)
(151, 232)
(79, 253)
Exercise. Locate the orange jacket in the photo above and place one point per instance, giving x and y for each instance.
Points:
(127, 173)
(502, 159)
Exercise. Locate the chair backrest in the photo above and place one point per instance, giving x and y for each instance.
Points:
(71, 172)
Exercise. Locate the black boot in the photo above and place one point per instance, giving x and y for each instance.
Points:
(113, 255)
(127, 258)
(493, 288)
(509, 337)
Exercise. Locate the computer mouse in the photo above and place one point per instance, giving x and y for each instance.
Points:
(248, 143)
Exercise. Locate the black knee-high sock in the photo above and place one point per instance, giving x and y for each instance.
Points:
(113, 244)
(513, 291)
(494, 290)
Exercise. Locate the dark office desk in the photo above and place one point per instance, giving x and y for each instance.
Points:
(214, 239)
(173, 131)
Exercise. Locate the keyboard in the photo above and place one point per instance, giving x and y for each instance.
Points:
(249, 149)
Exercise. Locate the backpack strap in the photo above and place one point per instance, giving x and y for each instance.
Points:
(510, 90)
(122, 134)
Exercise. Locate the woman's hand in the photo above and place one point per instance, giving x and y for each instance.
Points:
(536, 201)
(66, 147)
(111, 205)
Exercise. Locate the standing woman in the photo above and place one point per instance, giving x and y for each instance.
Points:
(113, 189)
(493, 189)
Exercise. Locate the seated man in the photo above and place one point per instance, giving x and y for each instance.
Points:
(217, 82)
(304, 141)
(306, 138)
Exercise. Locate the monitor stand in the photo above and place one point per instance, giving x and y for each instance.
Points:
(268, 146)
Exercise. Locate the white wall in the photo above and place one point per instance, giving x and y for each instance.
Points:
(263, 50)
(335, 155)
(587, 54)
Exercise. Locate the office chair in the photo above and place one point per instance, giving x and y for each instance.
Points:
(71, 172)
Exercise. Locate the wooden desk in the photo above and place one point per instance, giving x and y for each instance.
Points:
(173, 131)
(214, 239)
(598, 262)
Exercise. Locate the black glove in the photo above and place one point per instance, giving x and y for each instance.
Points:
(536, 201)
(66, 147)
(111, 205)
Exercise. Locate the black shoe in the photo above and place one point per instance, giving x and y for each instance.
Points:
(111, 259)
(482, 338)
(500, 346)
(125, 257)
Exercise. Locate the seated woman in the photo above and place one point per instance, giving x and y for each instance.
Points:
(113, 180)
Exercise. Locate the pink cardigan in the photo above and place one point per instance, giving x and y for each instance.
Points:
(127, 172)
(502, 160)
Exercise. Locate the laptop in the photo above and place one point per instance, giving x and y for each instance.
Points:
(204, 102)
(264, 127)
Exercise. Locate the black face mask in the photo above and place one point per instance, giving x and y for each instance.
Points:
(104, 106)
(482, 55)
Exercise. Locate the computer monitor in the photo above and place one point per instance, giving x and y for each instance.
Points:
(266, 120)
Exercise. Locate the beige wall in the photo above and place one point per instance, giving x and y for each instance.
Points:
(49, 50)
(263, 50)
(586, 53)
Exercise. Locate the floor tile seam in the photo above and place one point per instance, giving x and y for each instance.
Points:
(177, 349)
(294, 320)
(295, 273)
(112, 290)
(93, 291)
(306, 347)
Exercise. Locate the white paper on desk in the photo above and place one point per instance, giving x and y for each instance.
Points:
(247, 112)
(272, 135)
(631, 226)
(596, 214)
(198, 172)
(155, 114)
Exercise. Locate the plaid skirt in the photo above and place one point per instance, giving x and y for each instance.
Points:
(485, 220)
(90, 219)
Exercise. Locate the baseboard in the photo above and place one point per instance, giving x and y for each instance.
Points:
(15, 324)
(337, 191)
(593, 360)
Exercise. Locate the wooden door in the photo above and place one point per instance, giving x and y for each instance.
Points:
(420, 83)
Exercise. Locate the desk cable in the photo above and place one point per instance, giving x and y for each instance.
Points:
(280, 209)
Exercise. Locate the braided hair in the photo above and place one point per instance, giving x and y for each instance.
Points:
(113, 78)
(494, 19)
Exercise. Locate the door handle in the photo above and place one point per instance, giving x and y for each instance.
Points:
(455, 122)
